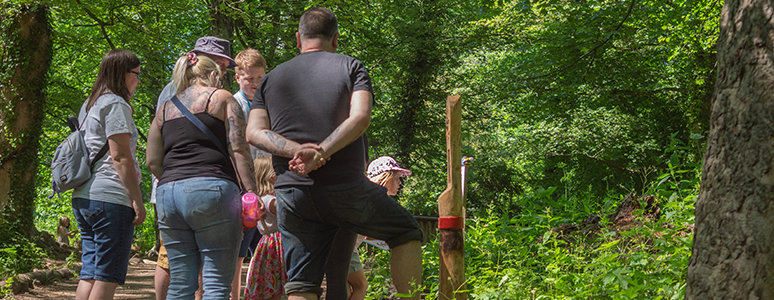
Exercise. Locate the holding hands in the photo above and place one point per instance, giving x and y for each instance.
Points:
(307, 158)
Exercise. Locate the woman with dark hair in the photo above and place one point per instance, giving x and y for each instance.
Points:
(109, 205)
(198, 197)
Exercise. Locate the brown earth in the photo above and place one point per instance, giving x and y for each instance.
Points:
(139, 285)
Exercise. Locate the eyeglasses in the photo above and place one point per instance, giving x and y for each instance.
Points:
(137, 73)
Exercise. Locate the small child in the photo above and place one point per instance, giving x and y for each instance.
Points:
(386, 172)
(266, 274)
(63, 233)
(250, 68)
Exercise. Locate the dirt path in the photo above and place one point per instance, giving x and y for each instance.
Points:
(139, 285)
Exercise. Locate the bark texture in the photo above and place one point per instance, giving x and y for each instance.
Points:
(221, 23)
(25, 54)
(732, 251)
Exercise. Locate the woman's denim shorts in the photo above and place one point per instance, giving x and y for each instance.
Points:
(106, 237)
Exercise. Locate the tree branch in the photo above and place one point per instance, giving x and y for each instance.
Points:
(101, 23)
(593, 49)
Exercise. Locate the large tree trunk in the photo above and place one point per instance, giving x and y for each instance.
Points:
(222, 26)
(25, 54)
(732, 250)
(221, 23)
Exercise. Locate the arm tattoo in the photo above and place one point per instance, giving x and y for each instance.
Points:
(262, 147)
(236, 109)
(276, 139)
(234, 134)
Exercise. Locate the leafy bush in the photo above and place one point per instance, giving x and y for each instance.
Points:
(522, 256)
(18, 254)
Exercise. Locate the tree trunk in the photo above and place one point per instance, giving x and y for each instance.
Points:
(421, 61)
(221, 23)
(25, 54)
(731, 256)
(222, 26)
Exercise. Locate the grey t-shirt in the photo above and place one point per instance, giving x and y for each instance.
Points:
(110, 115)
(169, 90)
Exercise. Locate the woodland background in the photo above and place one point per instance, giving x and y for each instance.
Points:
(570, 108)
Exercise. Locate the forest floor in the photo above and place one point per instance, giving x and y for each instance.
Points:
(139, 285)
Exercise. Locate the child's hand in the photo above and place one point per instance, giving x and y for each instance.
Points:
(261, 210)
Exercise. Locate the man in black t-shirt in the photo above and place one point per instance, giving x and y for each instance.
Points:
(311, 113)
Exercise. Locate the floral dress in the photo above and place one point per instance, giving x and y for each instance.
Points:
(266, 274)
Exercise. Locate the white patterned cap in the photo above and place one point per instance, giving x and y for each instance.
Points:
(384, 164)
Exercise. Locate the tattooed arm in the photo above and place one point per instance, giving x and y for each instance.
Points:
(237, 144)
(260, 136)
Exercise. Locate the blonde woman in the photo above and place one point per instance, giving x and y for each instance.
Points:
(198, 197)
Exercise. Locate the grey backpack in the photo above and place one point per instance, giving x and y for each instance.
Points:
(71, 166)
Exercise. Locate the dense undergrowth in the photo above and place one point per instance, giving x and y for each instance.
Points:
(525, 257)
(516, 255)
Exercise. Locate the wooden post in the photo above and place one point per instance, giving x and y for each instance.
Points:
(450, 211)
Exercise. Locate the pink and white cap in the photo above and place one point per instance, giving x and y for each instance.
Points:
(384, 164)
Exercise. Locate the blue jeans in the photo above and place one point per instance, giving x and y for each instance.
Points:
(312, 218)
(200, 225)
(106, 239)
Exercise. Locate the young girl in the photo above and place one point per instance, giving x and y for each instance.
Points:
(386, 172)
(266, 274)
(63, 233)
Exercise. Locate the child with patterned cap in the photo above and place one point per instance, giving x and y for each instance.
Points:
(384, 171)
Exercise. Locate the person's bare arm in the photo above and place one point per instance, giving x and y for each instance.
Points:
(353, 127)
(260, 135)
(154, 154)
(237, 144)
(121, 153)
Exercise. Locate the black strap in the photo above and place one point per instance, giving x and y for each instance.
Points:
(199, 124)
(72, 121)
(99, 156)
(207, 132)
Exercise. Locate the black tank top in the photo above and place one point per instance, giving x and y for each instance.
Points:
(189, 153)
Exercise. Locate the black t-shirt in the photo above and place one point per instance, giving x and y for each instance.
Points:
(306, 98)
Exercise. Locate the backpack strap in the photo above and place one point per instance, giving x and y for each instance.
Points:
(99, 156)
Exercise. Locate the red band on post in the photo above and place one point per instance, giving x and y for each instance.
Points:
(451, 222)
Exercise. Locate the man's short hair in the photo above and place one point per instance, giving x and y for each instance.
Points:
(318, 22)
(249, 58)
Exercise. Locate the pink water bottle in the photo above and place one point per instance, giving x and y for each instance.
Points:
(249, 210)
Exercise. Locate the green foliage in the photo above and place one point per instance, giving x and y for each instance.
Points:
(524, 256)
(18, 254)
(566, 106)
(145, 234)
